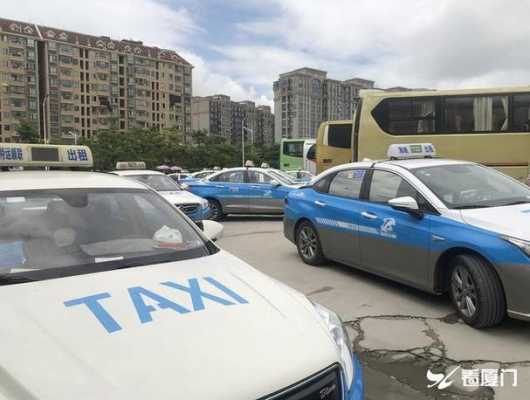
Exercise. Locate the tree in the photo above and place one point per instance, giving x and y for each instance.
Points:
(169, 147)
(27, 131)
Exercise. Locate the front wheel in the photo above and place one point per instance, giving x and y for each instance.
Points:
(308, 244)
(216, 210)
(476, 292)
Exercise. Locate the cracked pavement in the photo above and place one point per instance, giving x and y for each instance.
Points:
(398, 332)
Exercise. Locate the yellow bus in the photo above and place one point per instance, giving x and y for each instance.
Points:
(489, 126)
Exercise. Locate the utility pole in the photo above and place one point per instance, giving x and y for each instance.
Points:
(243, 143)
(243, 129)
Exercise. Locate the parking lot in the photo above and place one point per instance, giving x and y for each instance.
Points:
(399, 332)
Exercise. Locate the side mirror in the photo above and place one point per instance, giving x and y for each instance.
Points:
(407, 204)
(213, 230)
(275, 183)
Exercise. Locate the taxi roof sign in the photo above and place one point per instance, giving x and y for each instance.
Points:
(411, 150)
(124, 165)
(45, 155)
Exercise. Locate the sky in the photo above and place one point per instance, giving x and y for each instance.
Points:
(239, 47)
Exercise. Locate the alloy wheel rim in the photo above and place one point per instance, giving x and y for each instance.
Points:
(464, 291)
(214, 214)
(308, 242)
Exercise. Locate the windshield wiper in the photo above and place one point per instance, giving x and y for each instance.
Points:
(472, 206)
(13, 279)
(514, 203)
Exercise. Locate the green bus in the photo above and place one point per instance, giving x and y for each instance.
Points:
(293, 154)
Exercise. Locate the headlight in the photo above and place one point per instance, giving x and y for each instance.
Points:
(204, 203)
(341, 339)
(522, 244)
(184, 186)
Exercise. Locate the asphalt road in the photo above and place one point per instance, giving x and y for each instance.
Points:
(399, 332)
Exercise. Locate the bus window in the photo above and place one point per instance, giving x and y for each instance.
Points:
(312, 153)
(476, 114)
(339, 135)
(406, 116)
(521, 113)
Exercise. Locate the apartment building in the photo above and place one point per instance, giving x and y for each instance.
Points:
(72, 84)
(19, 78)
(264, 126)
(212, 114)
(305, 97)
(220, 116)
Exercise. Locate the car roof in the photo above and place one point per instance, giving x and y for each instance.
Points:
(133, 172)
(411, 163)
(42, 180)
(244, 169)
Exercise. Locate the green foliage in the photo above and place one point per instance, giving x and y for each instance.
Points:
(171, 147)
(27, 131)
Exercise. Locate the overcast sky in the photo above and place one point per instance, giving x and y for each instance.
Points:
(239, 47)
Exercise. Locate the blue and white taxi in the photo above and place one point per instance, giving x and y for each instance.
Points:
(439, 225)
(244, 190)
(193, 206)
(107, 291)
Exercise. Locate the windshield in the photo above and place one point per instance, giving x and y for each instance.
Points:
(283, 177)
(57, 231)
(160, 183)
(202, 174)
(472, 186)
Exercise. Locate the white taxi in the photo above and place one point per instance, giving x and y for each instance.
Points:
(108, 292)
(192, 205)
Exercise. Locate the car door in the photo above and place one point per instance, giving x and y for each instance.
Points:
(231, 191)
(336, 214)
(393, 243)
(264, 197)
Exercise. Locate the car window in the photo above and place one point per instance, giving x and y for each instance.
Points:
(231, 177)
(386, 186)
(259, 177)
(347, 183)
(160, 183)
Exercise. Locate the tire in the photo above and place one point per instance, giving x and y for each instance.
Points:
(308, 244)
(476, 292)
(216, 210)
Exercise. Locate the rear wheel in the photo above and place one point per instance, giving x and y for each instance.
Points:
(216, 210)
(308, 244)
(477, 292)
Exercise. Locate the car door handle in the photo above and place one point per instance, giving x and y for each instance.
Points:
(256, 187)
(320, 203)
(220, 186)
(368, 215)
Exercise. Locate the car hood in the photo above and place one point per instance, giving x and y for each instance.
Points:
(181, 197)
(264, 337)
(509, 220)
